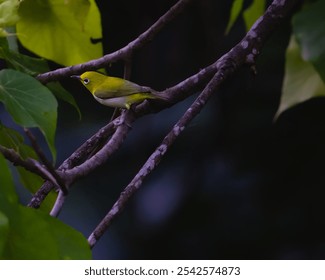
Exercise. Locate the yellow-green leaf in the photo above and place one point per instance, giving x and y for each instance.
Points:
(301, 81)
(9, 12)
(60, 30)
(253, 12)
(250, 14)
(234, 13)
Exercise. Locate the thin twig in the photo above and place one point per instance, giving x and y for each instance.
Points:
(47, 174)
(244, 52)
(122, 53)
(29, 164)
(58, 204)
(55, 177)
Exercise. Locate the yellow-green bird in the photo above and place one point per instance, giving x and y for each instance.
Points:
(115, 92)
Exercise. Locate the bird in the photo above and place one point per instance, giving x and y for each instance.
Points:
(115, 92)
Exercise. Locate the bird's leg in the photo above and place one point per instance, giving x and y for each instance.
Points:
(122, 119)
(115, 114)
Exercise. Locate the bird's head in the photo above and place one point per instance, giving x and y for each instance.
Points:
(91, 80)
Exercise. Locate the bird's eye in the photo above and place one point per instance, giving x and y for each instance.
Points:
(86, 81)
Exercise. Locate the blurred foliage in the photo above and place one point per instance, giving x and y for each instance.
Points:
(301, 81)
(250, 14)
(305, 61)
(309, 29)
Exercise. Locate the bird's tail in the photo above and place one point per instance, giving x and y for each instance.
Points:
(152, 94)
(156, 95)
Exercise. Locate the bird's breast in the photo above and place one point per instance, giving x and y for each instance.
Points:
(119, 102)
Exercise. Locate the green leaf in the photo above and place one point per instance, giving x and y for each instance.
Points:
(64, 95)
(253, 12)
(4, 231)
(7, 189)
(29, 103)
(236, 8)
(309, 29)
(34, 66)
(301, 81)
(10, 138)
(23, 63)
(33, 182)
(29, 234)
(35, 235)
(60, 30)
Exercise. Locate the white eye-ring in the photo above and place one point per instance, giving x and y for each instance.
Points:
(86, 81)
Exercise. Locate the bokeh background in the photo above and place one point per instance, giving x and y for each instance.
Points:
(236, 184)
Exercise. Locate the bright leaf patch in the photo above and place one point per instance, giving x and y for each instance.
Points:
(301, 82)
(61, 30)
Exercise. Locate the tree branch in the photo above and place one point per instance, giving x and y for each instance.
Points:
(155, 158)
(122, 53)
(77, 157)
(55, 177)
(125, 53)
(123, 124)
(29, 164)
(245, 52)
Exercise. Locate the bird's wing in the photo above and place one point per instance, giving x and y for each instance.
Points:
(117, 88)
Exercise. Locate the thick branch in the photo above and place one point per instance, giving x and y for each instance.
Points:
(86, 149)
(244, 52)
(155, 158)
(77, 157)
(124, 125)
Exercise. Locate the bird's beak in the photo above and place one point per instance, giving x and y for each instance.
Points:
(75, 77)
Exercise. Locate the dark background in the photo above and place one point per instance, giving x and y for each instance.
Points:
(236, 184)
